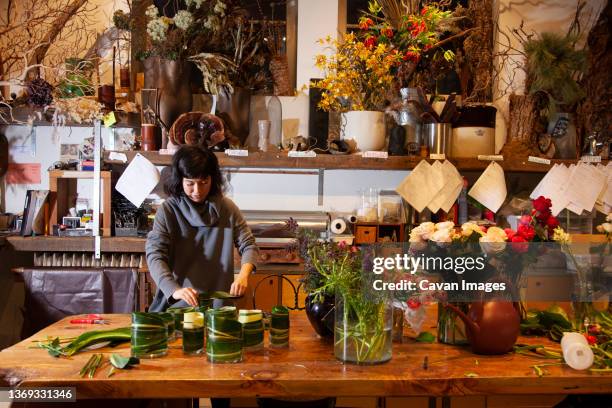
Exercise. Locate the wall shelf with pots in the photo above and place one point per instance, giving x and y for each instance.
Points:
(348, 162)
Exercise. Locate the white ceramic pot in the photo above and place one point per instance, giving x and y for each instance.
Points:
(365, 128)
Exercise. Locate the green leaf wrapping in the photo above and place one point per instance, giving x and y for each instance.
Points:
(253, 333)
(224, 336)
(178, 313)
(149, 335)
(89, 338)
(279, 327)
(168, 319)
(123, 362)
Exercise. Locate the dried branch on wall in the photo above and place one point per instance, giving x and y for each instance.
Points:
(47, 32)
(477, 82)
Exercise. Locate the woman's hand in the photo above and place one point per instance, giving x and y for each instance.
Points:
(240, 285)
(189, 295)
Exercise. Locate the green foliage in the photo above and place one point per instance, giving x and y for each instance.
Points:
(553, 65)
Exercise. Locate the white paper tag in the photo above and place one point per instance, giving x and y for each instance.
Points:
(540, 160)
(237, 152)
(590, 159)
(492, 157)
(308, 153)
(437, 156)
(373, 154)
(118, 156)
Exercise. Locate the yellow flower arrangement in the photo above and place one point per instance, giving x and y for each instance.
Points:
(358, 74)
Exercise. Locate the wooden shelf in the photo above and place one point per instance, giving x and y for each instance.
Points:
(349, 162)
(76, 244)
(73, 174)
(23, 113)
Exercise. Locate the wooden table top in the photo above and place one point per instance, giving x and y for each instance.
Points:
(307, 368)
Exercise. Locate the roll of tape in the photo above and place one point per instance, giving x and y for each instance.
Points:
(352, 219)
(338, 226)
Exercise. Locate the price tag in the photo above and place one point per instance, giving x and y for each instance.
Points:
(540, 160)
(590, 159)
(437, 156)
(491, 157)
(372, 154)
(308, 153)
(237, 152)
(109, 119)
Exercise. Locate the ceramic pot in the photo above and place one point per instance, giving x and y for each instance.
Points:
(172, 79)
(235, 111)
(321, 316)
(365, 128)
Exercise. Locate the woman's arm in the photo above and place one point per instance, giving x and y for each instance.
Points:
(249, 253)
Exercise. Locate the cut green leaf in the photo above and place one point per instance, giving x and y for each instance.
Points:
(123, 362)
(120, 335)
(425, 337)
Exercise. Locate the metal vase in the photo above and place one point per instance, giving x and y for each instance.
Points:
(173, 80)
(235, 111)
(438, 137)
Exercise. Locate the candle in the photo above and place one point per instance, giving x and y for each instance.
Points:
(576, 351)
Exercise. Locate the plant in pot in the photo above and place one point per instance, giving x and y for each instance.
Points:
(358, 76)
(362, 319)
(553, 66)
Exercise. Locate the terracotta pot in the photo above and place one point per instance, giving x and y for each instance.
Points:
(321, 316)
(492, 326)
(148, 137)
(172, 79)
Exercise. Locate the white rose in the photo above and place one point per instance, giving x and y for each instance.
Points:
(607, 227)
(498, 233)
(492, 244)
(443, 235)
(425, 230)
(609, 217)
(446, 225)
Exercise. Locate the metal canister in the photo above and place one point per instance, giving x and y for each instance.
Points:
(438, 137)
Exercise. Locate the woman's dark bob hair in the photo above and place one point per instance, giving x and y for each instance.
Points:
(194, 162)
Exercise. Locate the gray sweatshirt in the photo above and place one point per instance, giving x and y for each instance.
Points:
(191, 245)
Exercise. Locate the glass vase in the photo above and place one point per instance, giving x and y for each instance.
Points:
(279, 327)
(149, 335)
(253, 328)
(224, 336)
(362, 332)
(451, 329)
(193, 333)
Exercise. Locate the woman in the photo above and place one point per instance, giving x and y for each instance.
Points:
(190, 249)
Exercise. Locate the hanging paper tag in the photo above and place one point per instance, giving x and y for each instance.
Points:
(437, 156)
(109, 119)
(491, 157)
(590, 159)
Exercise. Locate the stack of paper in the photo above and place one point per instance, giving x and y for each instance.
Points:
(434, 186)
(490, 188)
(581, 187)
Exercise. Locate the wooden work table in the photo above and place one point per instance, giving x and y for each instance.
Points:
(307, 368)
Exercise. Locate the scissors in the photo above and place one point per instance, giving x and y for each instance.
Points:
(90, 319)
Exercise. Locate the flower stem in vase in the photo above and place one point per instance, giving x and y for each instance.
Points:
(451, 329)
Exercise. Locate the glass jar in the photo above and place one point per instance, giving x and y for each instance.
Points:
(224, 336)
(193, 333)
(149, 335)
(451, 329)
(363, 327)
(279, 327)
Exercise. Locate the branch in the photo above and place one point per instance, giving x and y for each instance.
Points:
(452, 38)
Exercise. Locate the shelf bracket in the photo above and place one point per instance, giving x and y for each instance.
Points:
(96, 187)
(321, 185)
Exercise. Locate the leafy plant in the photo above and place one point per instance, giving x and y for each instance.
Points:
(553, 67)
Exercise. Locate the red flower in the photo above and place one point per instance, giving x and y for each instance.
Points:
(427, 47)
(526, 231)
(411, 56)
(542, 204)
(591, 339)
(387, 32)
(525, 220)
(369, 42)
(418, 28)
(365, 23)
(594, 329)
(413, 304)
(354, 249)
(509, 233)
(552, 222)
(519, 244)
(424, 11)
(342, 244)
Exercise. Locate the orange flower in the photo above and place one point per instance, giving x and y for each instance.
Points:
(365, 23)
